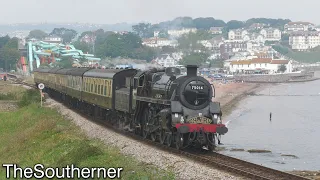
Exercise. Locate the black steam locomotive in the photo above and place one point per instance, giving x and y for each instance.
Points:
(159, 104)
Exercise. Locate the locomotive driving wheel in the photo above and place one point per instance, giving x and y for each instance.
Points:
(162, 136)
(153, 136)
(144, 125)
(170, 139)
(179, 139)
(211, 141)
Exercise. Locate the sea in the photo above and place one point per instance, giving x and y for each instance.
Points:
(293, 130)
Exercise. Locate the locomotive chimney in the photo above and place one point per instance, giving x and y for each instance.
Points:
(192, 70)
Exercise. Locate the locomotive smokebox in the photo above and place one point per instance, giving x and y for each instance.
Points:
(192, 70)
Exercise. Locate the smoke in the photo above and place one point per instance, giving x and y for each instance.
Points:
(146, 67)
(136, 63)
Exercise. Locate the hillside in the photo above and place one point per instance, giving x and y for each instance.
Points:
(303, 57)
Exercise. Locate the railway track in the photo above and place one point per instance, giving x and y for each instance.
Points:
(213, 159)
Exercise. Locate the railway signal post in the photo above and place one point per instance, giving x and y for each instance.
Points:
(41, 86)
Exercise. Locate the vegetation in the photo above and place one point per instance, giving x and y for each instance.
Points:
(195, 59)
(282, 68)
(61, 143)
(303, 57)
(37, 34)
(9, 54)
(66, 34)
(126, 45)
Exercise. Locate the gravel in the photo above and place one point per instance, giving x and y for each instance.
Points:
(184, 168)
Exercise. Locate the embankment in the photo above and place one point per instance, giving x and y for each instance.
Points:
(31, 134)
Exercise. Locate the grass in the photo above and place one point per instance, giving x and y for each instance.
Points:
(33, 135)
(303, 57)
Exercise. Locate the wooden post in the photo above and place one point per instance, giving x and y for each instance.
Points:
(41, 96)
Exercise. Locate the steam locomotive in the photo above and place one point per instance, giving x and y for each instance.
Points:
(160, 104)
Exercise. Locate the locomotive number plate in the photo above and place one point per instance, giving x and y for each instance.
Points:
(197, 87)
(200, 120)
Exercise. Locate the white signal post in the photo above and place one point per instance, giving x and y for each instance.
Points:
(41, 86)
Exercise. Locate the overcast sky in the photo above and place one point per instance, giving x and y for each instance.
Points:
(132, 11)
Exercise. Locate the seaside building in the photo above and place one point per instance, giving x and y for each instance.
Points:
(298, 26)
(165, 60)
(259, 65)
(304, 40)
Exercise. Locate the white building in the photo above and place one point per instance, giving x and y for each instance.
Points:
(166, 60)
(271, 34)
(304, 40)
(266, 65)
(266, 34)
(177, 33)
(159, 42)
(216, 30)
(298, 26)
(237, 34)
(53, 39)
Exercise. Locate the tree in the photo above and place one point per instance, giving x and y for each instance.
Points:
(282, 68)
(9, 57)
(284, 37)
(37, 34)
(207, 23)
(126, 45)
(195, 59)
(4, 40)
(66, 34)
(143, 30)
(12, 43)
(163, 34)
(83, 46)
(167, 49)
(234, 24)
(280, 49)
(65, 62)
(276, 23)
(190, 42)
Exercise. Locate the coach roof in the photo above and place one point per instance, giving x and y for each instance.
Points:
(78, 71)
(53, 70)
(43, 70)
(103, 73)
(63, 71)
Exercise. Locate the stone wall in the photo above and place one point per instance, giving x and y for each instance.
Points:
(274, 78)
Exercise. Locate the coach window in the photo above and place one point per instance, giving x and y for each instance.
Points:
(105, 87)
(91, 81)
(87, 85)
(95, 86)
(101, 87)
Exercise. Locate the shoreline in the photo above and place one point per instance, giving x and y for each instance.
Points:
(231, 94)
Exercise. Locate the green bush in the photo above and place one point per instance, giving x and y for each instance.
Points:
(30, 96)
(9, 96)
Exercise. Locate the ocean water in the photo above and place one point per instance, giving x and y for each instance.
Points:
(293, 130)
